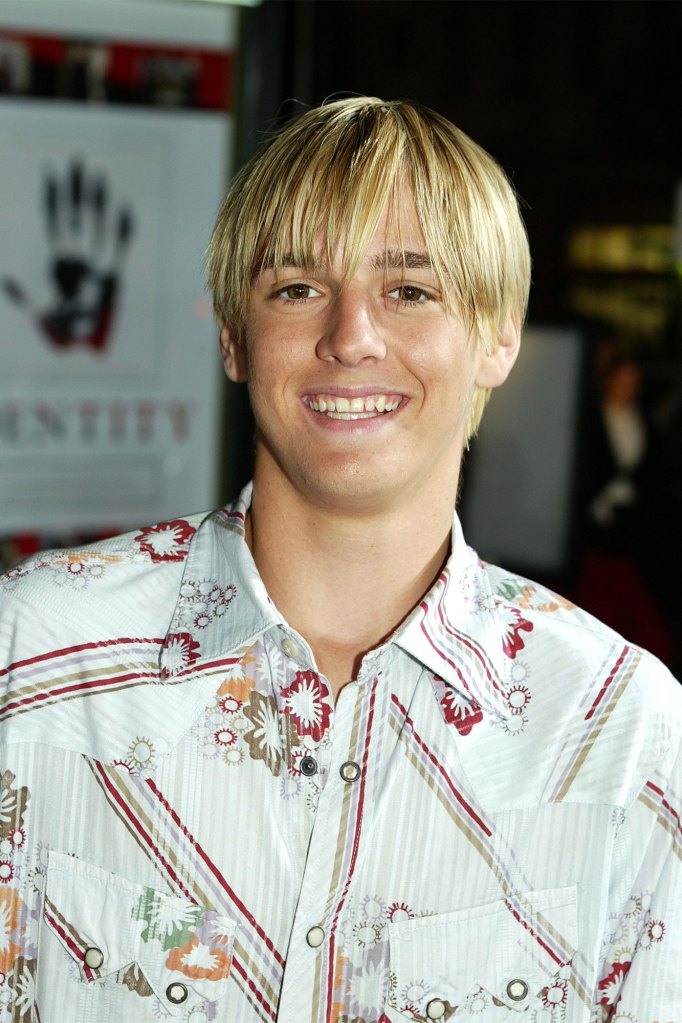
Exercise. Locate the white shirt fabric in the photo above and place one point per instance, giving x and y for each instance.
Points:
(484, 828)
(626, 433)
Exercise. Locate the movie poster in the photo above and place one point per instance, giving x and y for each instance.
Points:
(109, 370)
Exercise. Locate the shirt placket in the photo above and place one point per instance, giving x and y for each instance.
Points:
(343, 814)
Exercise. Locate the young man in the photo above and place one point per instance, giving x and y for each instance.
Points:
(307, 758)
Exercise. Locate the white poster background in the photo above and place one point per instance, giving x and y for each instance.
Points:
(209, 26)
(519, 487)
(128, 434)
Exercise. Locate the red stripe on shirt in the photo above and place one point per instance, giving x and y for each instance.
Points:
(356, 841)
(68, 941)
(236, 965)
(557, 959)
(77, 649)
(215, 871)
(440, 769)
(76, 687)
(144, 835)
(607, 683)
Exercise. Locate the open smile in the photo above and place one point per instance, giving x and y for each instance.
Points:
(336, 406)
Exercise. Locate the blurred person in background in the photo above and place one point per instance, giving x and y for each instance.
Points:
(621, 494)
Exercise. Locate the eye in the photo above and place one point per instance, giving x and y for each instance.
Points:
(409, 294)
(297, 292)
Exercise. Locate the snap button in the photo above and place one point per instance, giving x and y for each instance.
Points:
(350, 771)
(94, 957)
(176, 993)
(308, 766)
(435, 1009)
(290, 648)
(517, 990)
(315, 937)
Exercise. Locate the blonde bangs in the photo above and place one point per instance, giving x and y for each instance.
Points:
(472, 227)
(317, 190)
(330, 207)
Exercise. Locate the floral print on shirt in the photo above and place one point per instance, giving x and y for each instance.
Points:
(635, 929)
(17, 966)
(307, 701)
(166, 542)
(263, 738)
(21, 984)
(72, 570)
(181, 651)
(532, 597)
(197, 940)
(246, 720)
(457, 710)
(202, 603)
(514, 625)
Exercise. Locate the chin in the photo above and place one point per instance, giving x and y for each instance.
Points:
(356, 492)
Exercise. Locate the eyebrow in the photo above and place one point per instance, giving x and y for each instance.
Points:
(391, 259)
(287, 260)
(397, 259)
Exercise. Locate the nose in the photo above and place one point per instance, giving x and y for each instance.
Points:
(351, 334)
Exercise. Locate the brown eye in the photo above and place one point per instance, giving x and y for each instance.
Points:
(298, 292)
(409, 294)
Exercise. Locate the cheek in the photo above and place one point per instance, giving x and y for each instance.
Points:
(446, 372)
(272, 354)
(441, 350)
(269, 382)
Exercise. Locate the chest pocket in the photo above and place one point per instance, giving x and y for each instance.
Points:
(487, 963)
(113, 950)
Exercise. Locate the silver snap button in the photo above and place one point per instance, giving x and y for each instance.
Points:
(176, 993)
(517, 990)
(308, 766)
(290, 648)
(435, 1009)
(315, 937)
(350, 771)
(93, 958)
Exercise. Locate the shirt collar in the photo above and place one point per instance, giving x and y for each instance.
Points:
(457, 631)
(223, 606)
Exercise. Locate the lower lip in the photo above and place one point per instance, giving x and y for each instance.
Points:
(353, 426)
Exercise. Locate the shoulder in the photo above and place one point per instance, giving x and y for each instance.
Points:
(604, 701)
(571, 639)
(126, 585)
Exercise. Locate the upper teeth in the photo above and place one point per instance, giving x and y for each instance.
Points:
(373, 403)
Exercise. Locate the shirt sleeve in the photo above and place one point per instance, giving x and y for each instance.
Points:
(640, 978)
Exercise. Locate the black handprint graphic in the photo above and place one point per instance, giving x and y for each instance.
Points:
(87, 241)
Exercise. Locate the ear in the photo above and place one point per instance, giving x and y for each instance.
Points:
(233, 353)
(494, 368)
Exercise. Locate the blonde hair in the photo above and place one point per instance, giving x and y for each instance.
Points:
(332, 173)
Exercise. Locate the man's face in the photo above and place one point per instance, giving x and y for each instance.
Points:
(360, 392)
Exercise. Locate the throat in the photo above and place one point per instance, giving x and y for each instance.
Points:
(338, 665)
(344, 584)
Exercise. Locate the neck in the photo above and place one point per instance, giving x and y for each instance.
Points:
(346, 580)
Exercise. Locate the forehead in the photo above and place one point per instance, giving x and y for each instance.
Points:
(395, 239)
(400, 212)
(399, 238)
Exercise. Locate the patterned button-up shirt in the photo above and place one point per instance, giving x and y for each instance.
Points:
(484, 827)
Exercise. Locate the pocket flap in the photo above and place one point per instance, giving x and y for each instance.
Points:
(106, 923)
(506, 952)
